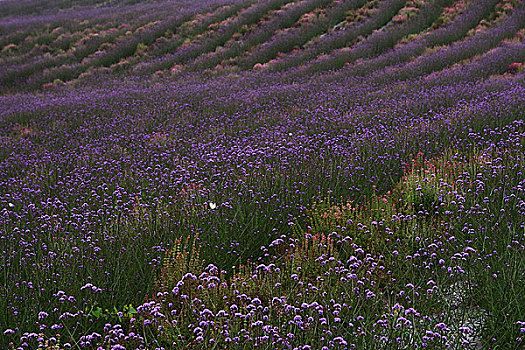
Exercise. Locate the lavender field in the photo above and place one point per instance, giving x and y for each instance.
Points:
(262, 174)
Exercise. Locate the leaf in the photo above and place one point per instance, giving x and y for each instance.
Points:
(132, 310)
(97, 312)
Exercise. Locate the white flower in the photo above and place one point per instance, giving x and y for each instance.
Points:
(11, 205)
(212, 205)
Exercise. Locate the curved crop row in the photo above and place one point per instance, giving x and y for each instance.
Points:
(434, 61)
(297, 37)
(31, 7)
(67, 66)
(339, 38)
(17, 28)
(497, 61)
(193, 29)
(280, 20)
(127, 47)
(379, 41)
(445, 35)
(215, 38)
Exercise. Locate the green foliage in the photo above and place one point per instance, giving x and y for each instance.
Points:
(127, 313)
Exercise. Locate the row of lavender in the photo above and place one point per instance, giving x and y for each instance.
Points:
(260, 46)
(33, 69)
(281, 20)
(63, 45)
(370, 46)
(448, 35)
(268, 43)
(445, 35)
(411, 60)
(242, 53)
